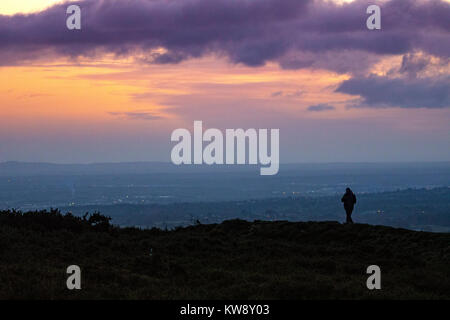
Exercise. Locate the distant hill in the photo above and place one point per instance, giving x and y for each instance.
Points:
(13, 168)
(16, 168)
(232, 260)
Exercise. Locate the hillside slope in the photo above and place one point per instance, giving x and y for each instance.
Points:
(232, 260)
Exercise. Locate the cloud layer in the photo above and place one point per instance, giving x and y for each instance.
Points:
(382, 92)
(320, 107)
(136, 115)
(293, 33)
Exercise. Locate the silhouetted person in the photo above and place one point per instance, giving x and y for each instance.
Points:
(349, 200)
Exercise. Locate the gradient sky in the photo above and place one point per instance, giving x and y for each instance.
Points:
(139, 69)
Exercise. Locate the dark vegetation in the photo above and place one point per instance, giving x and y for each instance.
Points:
(232, 260)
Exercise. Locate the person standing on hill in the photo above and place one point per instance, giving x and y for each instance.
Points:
(349, 200)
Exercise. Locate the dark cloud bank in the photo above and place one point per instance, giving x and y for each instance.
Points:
(405, 93)
(294, 33)
(251, 32)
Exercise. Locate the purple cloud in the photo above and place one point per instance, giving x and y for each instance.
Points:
(277, 94)
(291, 94)
(321, 107)
(382, 92)
(136, 115)
(294, 33)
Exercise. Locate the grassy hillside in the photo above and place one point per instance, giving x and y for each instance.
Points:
(232, 260)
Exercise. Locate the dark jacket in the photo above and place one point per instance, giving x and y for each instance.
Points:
(349, 199)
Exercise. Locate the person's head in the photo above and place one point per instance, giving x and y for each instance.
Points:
(348, 190)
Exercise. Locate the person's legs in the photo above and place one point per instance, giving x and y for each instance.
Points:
(349, 214)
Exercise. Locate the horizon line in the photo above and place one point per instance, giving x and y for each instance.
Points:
(170, 163)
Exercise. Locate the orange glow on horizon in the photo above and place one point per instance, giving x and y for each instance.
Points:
(90, 92)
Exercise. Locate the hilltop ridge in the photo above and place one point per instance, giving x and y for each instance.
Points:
(235, 259)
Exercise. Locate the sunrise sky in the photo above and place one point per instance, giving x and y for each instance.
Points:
(138, 69)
